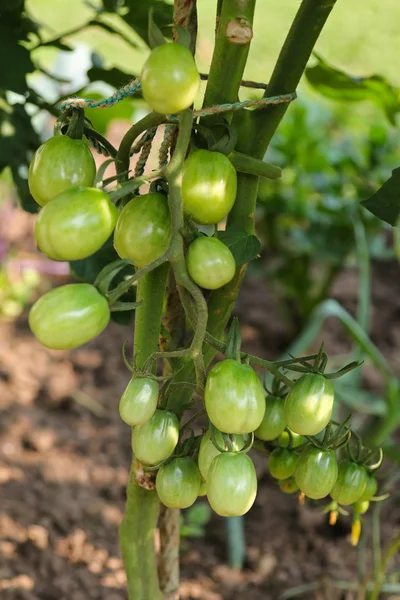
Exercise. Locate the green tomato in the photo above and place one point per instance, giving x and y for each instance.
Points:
(350, 484)
(370, 489)
(316, 472)
(282, 463)
(203, 488)
(143, 229)
(231, 484)
(234, 397)
(361, 507)
(210, 263)
(139, 401)
(69, 316)
(58, 165)
(208, 186)
(75, 224)
(178, 483)
(308, 406)
(286, 436)
(156, 439)
(273, 422)
(170, 79)
(288, 486)
(207, 450)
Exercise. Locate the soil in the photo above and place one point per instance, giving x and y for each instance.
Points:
(65, 455)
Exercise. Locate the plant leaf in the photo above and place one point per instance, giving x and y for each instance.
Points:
(244, 246)
(156, 37)
(385, 203)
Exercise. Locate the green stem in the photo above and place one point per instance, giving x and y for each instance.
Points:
(123, 155)
(254, 166)
(76, 124)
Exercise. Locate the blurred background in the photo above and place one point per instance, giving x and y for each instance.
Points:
(329, 270)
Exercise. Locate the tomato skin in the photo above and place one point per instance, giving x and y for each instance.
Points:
(350, 484)
(282, 463)
(210, 263)
(284, 439)
(308, 406)
(231, 484)
(203, 488)
(370, 489)
(143, 229)
(156, 439)
(316, 472)
(75, 224)
(361, 507)
(69, 316)
(234, 397)
(274, 421)
(178, 483)
(139, 401)
(170, 79)
(208, 186)
(58, 165)
(207, 450)
(288, 486)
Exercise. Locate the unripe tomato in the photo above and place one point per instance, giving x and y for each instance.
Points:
(178, 483)
(59, 164)
(75, 224)
(170, 79)
(143, 229)
(316, 472)
(234, 397)
(139, 401)
(282, 463)
(285, 437)
(288, 486)
(231, 484)
(350, 484)
(273, 422)
(203, 488)
(207, 450)
(370, 488)
(308, 406)
(361, 507)
(156, 439)
(208, 186)
(69, 316)
(210, 263)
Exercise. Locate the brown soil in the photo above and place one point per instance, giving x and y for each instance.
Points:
(65, 455)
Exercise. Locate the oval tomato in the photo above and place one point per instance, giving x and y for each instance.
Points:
(288, 486)
(234, 397)
(273, 422)
(143, 229)
(316, 472)
(231, 484)
(69, 316)
(285, 438)
(210, 263)
(139, 401)
(350, 484)
(203, 488)
(370, 488)
(178, 483)
(208, 186)
(208, 451)
(59, 164)
(361, 507)
(170, 79)
(75, 224)
(282, 463)
(308, 406)
(156, 439)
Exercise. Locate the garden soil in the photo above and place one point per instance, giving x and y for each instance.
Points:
(65, 456)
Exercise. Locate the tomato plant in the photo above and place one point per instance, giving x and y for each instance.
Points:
(58, 165)
(139, 401)
(350, 484)
(178, 483)
(234, 397)
(282, 463)
(75, 224)
(273, 422)
(208, 186)
(308, 406)
(210, 263)
(316, 472)
(155, 440)
(69, 316)
(231, 484)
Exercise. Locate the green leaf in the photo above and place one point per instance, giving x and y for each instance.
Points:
(88, 268)
(244, 246)
(15, 61)
(385, 203)
(338, 85)
(156, 37)
(138, 16)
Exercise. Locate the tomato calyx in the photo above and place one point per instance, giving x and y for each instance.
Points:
(234, 341)
(230, 441)
(336, 435)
